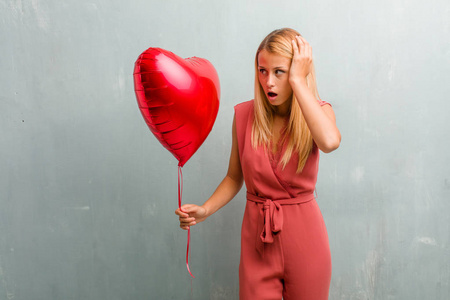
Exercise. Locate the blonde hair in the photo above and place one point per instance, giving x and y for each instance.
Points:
(299, 139)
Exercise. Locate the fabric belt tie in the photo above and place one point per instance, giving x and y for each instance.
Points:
(272, 214)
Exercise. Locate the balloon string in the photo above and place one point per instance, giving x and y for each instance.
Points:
(180, 195)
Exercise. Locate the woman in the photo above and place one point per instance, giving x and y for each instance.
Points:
(275, 142)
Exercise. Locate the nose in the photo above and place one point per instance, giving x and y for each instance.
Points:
(270, 82)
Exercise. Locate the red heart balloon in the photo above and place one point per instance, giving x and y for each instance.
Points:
(178, 98)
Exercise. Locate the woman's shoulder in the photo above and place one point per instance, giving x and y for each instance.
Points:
(244, 106)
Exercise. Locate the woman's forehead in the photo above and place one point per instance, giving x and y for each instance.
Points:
(272, 60)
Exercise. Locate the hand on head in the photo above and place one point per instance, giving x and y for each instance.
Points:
(302, 59)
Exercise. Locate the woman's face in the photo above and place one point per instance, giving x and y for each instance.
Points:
(273, 74)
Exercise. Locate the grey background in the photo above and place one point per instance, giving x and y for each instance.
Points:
(88, 194)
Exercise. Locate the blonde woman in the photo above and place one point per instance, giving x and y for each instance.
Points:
(275, 150)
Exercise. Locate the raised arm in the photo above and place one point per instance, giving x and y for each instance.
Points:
(320, 119)
(192, 214)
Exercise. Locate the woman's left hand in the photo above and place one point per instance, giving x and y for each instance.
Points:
(302, 60)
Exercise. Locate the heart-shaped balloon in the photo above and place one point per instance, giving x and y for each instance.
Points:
(178, 98)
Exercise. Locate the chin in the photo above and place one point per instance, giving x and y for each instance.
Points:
(275, 103)
(278, 102)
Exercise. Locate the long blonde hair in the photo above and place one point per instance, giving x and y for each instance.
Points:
(299, 139)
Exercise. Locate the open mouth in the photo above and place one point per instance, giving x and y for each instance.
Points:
(271, 94)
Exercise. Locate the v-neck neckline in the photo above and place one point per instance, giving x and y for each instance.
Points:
(276, 155)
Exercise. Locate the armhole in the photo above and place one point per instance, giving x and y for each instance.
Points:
(241, 114)
(322, 103)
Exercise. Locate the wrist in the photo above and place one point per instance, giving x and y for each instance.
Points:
(297, 80)
(206, 210)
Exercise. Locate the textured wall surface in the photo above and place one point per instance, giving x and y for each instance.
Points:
(88, 194)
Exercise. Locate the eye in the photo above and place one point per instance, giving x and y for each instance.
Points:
(262, 71)
(279, 72)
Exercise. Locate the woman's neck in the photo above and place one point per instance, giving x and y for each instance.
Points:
(282, 110)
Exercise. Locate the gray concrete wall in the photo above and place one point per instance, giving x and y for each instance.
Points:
(88, 194)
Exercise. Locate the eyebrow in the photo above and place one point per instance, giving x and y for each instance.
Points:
(279, 67)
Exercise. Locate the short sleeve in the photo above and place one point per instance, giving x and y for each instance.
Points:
(322, 103)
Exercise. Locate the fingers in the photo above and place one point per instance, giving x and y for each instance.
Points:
(307, 47)
(185, 225)
(301, 46)
(185, 210)
(181, 213)
(295, 46)
(184, 218)
(186, 222)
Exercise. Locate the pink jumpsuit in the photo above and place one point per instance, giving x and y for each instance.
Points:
(284, 242)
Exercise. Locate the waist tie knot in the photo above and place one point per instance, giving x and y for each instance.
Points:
(272, 214)
(273, 220)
